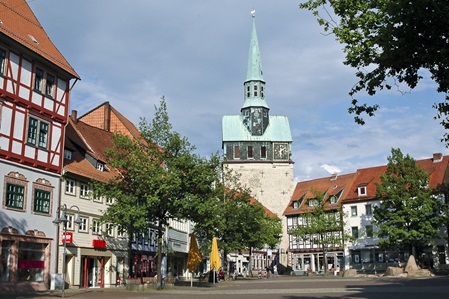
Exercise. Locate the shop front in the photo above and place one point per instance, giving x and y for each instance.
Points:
(24, 260)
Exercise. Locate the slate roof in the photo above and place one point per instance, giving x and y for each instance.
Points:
(278, 129)
(366, 177)
(18, 22)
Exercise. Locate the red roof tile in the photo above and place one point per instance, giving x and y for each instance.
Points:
(18, 22)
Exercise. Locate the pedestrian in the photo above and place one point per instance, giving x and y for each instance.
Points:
(275, 271)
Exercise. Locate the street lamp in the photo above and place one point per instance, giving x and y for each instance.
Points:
(63, 219)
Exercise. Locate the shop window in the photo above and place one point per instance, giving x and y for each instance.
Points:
(5, 260)
(31, 262)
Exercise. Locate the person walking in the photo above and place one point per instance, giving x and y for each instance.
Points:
(275, 271)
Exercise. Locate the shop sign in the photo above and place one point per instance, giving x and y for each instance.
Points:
(99, 243)
(67, 237)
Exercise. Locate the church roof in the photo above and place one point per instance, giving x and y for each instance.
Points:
(254, 71)
(277, 130)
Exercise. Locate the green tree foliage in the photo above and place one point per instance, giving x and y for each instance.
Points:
(408, 216)
(238, 223)
(160, 178)
(321, 226)
(390, 40)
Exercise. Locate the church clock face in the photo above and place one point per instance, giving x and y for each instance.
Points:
(280, 151)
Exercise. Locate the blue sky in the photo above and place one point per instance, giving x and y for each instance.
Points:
(131, 53)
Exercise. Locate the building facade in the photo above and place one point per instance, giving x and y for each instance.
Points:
(35, 83)
(257, 146)
(355, 195)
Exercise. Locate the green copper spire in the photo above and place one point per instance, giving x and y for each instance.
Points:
(254, 71)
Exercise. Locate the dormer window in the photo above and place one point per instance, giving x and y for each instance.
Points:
(362, 190)
(295, 205)
(313, 202)
(100, 166)
(333, 199)
(67, 154)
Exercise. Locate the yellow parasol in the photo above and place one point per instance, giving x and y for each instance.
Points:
(194, 256)
(215, 262)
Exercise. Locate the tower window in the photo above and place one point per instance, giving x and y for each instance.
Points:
(263, 152)
(250, 152)
(255, 87)
(236, 152)
(255, 93)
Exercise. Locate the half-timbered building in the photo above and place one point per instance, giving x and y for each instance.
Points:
(35, 83)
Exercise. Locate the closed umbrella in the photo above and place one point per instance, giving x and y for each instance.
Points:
(215, 262)
(194, 256)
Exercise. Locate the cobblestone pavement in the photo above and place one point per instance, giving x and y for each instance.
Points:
(288, 287)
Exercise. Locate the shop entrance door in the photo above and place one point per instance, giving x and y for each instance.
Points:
(91, 271)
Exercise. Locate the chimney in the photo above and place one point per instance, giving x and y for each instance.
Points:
(107, 117)
(74, 115)
(334, 176)
(437, 157)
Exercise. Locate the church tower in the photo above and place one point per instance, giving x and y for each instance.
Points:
(257, 145)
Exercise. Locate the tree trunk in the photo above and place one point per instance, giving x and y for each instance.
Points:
(159, 256)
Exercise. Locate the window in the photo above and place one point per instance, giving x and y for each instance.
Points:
(70, 187)
(15, 196)
(41, 201)
(369, 231)
(83, 225)
(70, 221)
(109, 229)
(295, 205)
(67, 154)
(37, 131)
(355, 231)
(96, 227)
(362, 191)
(100, 166)
(84, 191)
(354, 211)
(236, 152)
(2, 61)
(313, 202)
(31, 260)
(369, 209)
(333, 199)
(38, 79)
(120, 231)
(263, 152)
(109, 201)
(49, 85)
(250, 152)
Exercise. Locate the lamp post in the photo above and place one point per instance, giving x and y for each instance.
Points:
(63, 219)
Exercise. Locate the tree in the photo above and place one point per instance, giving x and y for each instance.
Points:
(321, 226)
(408, 216)
(159, 178)
(390, 40)
(238, 222)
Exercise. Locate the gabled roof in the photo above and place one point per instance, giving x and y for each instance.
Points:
(368, 177)
(106, 117)
(270, 214)
(85, 141)
(332, 185)
(18, 22)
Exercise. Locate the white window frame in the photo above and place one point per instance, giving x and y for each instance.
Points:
(109, 229)
(362, 190)
(70, 187)
(84, 225)
(354, 211)
(96, 227)
(120, 231)
(84, 190)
